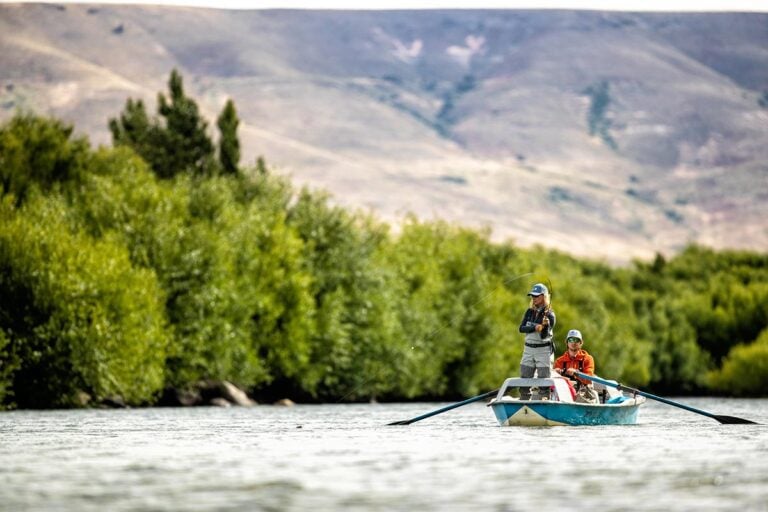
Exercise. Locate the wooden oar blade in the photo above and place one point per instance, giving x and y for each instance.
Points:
(733, 420)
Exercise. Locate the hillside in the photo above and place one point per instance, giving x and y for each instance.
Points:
(613, 135)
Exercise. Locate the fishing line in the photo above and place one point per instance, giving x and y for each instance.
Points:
(472, 306)
(436, 331)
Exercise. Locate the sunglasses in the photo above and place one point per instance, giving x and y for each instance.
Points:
(573, 340)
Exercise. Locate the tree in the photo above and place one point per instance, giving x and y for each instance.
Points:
(261, 166)
(744, 370)
(36, 151)
(133, 127)
(179, 143)
(229, 145)
(189, 147)
(75, 315)
(355, 350)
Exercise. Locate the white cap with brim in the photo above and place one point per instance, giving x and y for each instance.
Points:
(574, 333)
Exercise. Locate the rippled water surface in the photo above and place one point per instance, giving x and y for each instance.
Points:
(344, 457)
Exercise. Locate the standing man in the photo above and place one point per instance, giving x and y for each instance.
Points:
(577, 359)
(538, 326)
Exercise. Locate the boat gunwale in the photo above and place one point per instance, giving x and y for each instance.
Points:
(629, 402)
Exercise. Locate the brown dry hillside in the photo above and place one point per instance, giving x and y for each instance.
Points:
(614, 135)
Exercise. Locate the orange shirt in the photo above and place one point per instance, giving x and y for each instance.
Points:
(583, 362)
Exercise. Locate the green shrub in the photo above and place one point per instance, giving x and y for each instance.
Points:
(745, 369)
(79, 316)
(39, 152)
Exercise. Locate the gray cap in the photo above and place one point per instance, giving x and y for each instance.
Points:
(538, 289)
(574, 333)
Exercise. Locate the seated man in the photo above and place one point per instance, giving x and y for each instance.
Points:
(577, 359)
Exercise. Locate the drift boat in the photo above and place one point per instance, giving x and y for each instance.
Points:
(554, 404)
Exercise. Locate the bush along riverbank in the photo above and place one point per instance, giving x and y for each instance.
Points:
(123, 281)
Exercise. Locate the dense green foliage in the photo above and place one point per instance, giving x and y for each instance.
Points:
(78, 315)
(118, 280)
(39, 152)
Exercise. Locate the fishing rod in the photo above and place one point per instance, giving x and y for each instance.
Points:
(549, 307)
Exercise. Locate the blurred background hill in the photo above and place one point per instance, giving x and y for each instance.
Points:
(609, 135)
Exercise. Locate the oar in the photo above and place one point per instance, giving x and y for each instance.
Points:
(722, 419)
(444, 409)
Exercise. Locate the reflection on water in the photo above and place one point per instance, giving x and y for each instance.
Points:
(344, 457)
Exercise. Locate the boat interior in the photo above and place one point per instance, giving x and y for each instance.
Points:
(555, 389)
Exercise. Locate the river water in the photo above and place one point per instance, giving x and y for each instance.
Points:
(344, 457)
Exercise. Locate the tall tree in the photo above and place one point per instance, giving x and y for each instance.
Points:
(172, 143)
(133, 126)
(190, 147)
(229, 145)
